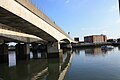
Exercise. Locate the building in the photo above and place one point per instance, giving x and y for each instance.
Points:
(112, 40)
(95, 39)
(76, 39)
(118, 40)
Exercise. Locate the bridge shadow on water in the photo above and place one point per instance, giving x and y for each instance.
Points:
(37, 68)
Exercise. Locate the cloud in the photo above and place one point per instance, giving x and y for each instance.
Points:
(67, 1)
(117, 22)
(105, 32)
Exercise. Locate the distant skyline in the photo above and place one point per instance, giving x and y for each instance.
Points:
(83, 17)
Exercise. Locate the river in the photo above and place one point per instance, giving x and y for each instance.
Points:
(76, 64)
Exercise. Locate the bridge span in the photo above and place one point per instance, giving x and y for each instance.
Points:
(22, 17)
(21, 14)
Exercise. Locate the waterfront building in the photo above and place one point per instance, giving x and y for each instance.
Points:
(76, 39)
(118, 40)
(95, 39)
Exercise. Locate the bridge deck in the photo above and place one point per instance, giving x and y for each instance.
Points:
(16, 22)
(22, 15)
(33, 9)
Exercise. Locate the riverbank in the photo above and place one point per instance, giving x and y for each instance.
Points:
(81, 45)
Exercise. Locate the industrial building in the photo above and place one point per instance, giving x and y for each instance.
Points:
(95, 39)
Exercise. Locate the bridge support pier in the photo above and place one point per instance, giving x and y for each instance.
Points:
(35, 55)
(53, 50)
(4, 53)
(35, 51)
(39, 55)
(42, 48)
(66, 46)
(39, 51)
(22, 51)
(53, 69)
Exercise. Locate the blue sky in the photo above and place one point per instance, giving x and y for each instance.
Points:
(83, 17)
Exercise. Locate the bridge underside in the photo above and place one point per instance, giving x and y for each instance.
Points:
(16, 19)
(13, 36)
(10, 38)
(16, 22)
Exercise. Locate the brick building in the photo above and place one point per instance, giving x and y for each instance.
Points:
(95, 39)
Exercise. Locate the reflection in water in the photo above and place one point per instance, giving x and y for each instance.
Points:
(97, 51)
(58, 69)
(23, 70)
(76, 51)
(35, 69)
(53, 69)
(105, 65)
(118, 47)
(38, 55)
(95, 64)
(65, 66)
(12, 59)
(92, 51)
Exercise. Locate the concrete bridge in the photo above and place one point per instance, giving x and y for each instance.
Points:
(20, 20)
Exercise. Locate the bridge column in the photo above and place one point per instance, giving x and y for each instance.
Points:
(43, 50)
(35, 50)
(22, 51)
(53, 69)
(66, 46)
(3, 53)
(53, 50)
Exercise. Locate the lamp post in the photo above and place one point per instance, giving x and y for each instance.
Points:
(68, 33)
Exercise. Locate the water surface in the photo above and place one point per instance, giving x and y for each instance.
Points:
(95, 64)
(79, 64)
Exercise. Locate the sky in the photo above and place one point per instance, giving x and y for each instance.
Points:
(83, 17)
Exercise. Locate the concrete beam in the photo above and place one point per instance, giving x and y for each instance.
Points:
(18, 36)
